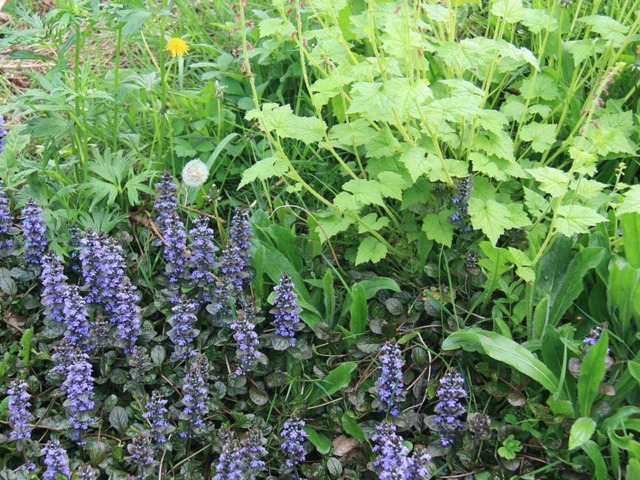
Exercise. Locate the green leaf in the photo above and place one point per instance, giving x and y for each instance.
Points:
(371, 250)
(329, 298)
(25, 347)
(491, 217)
(511, 11)
(591, 374)
(383, 144)
(119, 419)
(336, 380)
(373, 222)
(355, 133)
(438, 227)
(264, 169)
(541, 318)
(608, 28)
(324, 89)
(537, 20)
(330, 224)
(541, 135)
(503, 350)
(366, 192)
(392, 184)
(358, 312)
(374, 285)
(593, 450)
(276, 26)
(581, 431)
(322, 443)
(631, 203)
(351, 427)
(284, 123)
(623, 294)
(634, 370)
(552, 181)
(567, 283)
(415, 159)
(574, 219)
(368, 99)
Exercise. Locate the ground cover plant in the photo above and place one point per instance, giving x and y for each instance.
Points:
(320, 239)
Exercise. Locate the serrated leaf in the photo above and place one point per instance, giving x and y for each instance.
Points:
(276, 26)
(438, 227)
(631, 202)
(370, 250)
(415, 160)
(536, 20)
(355, 133)
(608, 28)
(384, 144)
(366, 192)
(368, 98)
(574, 219)
(491, 217)
(392, 184)
(541, 135)
(511, 11)
(372, 220)
(553, 181)
(283, 122)
(264, 169)
(324, 89)
(330, 224)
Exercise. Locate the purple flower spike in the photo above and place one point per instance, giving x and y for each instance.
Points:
(194, 396)
(156, 414)
(33, 229)
(286, 309)
(18, 406)
(183, 333)
(449, 409)
(293, 437)
(236, 254)
(244, 334)
(56, 460)
(6, 219)
(390, 388)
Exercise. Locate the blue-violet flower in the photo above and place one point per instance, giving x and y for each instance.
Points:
(293, 437)
(449, 409)
(183, 333)
(18, 406)
(56, 460)
(286, 310)
(236, 254)
(33, 229)
(6, 220)
(390, 388)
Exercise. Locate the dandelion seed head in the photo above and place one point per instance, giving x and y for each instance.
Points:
(195, 173)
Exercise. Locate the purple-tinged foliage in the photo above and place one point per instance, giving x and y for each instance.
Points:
(56, 460)
(33, 229)
(247, 339)
(449, 409)
(194, 396)
(182, 332)
(6, 220)
(236, 254)
(240, 460)
(171, 228)
(156, 413)
(18, 405)
(74, 366)
(140, 453)
(389, 386)
(202, 259)
(286, 310)
(293, 437)
(86, 472)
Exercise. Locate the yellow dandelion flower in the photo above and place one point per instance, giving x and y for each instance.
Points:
(177, 47)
